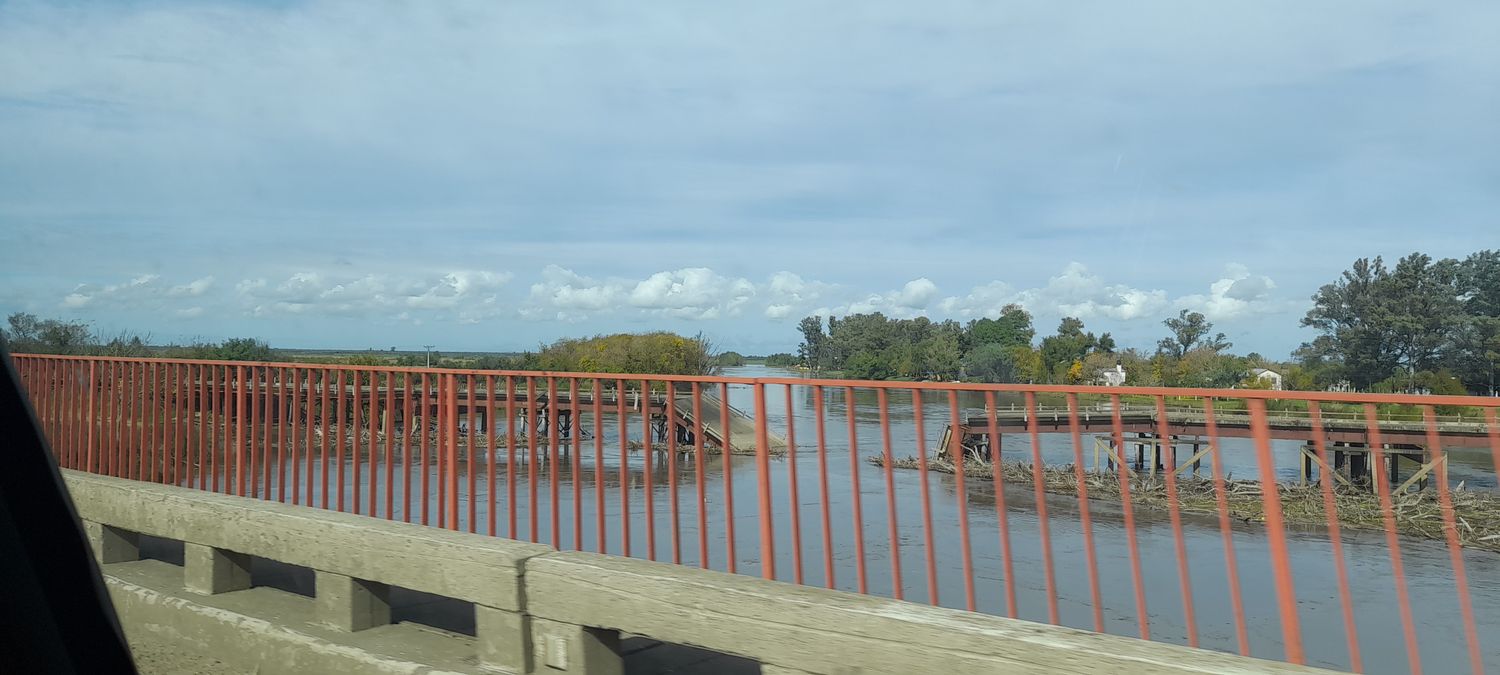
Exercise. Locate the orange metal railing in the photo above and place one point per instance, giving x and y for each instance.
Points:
(534, 455)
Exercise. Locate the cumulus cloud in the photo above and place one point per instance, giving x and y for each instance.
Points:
(984, 300)
(788, 295)
(1074, 292)
(142, 292)
(467, 296)
(693, 293)
(1239, 293)
(689, 293)
(192, 288)
(911, 300)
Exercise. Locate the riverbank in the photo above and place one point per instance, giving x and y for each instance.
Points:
(1418, 514)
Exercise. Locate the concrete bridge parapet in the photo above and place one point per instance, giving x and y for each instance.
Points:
(535, 610)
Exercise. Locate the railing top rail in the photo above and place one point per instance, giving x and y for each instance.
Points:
(1093, 390)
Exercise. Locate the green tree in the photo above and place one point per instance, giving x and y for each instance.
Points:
(28, 334)
(868, 366)
(940, 355)
(658, 353)
(1377, 323)
(244, 349)
(992, 362)
(730, 359)
(813, 351)
(1190, 330)
(781, 360)
(1060, 351)
(1012, 329)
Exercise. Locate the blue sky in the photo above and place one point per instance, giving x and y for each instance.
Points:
(490, 175)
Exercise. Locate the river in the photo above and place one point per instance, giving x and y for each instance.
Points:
(1428, 570)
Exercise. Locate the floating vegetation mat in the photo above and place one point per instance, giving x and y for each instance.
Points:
(1476, 514)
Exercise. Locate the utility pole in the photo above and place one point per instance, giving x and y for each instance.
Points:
(429, 354)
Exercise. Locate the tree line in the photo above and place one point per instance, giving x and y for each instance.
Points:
(1005, 349)
(25, 333)
(1424, 326)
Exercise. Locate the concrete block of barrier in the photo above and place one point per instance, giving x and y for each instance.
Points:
(812, 630)
(350, 604)
(208, 570)
(111, 544)
(478, 569)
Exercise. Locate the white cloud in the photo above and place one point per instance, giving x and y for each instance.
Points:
(1077, 292)
(983, 301)
(467, 296)
(789, 295)
(911, 300)
(689, 293)
(1238, 294)
(142, 292)
(1073, 292)
(194, 287)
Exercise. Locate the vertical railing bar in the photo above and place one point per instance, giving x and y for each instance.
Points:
(600, 526)
(323, 419)
(489, 453)
(1086, 519)
(1450, 534)
(828, 570)
(623, 422)
(388, 424)
(298, 427)
(1039, 483)
(1231, 563)
(1174, 514)
(532, 459)
(452, 450)
(962, 498)
(357, 401)
(575, 454)
(553, 457)
(669, 414)
(240, 421)
(339, 434)
(510, 451)
(428, 429)
(794, 502)
(409, 426)
(646, 460)
(440, 445)
(470, 449)
(997, 478)
(91, 438)
(1129, 514)
(763, 480)
(726, 448)
(861, 578)
(699, 464)
(1286, 595)
(929, 553)
(1330, 513)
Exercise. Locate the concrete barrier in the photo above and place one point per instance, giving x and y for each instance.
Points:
(799, 629)
(535, 609)
(356, 560)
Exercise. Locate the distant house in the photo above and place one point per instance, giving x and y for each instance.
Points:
(1268, 377)
(1114, 377)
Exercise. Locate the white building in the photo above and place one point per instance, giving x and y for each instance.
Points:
(1269, 377)
(1114, 377)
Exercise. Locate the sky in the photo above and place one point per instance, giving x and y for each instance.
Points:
(493, 175)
